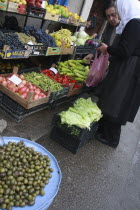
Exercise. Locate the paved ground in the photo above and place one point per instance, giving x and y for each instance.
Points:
(97, 177)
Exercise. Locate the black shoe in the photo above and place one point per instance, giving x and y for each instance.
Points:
(100, 138)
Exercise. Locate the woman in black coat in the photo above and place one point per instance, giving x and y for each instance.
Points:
(120, 98)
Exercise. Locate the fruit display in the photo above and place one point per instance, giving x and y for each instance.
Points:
(63, 35)
(23, 88)
(57, 10)
(42, 81)
(63, 79)
(24, 173)
(74, 68)
(19, 1)
(80, 38)
(62, 11)
(40, 36)
(10, 39)
(35, 3)
(25, 39)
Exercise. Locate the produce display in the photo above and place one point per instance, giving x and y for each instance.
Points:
(40, 36)
(63, 35)
(62, 11)
(63, 79)
(26, 39)
(57, 10)
(35, 3)
(93, 42)
(19, 1)
(80, 38)
(42, 81)
(23, 175)
(10, 39)
(82, 114)
(23, 88)
(74, 68)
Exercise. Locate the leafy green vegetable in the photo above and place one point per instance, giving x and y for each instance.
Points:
(82, 114)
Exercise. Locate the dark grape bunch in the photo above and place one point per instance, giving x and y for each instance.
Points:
(40, 36)
(11, 39)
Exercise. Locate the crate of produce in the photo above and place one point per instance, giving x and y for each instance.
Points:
(16, 92)
(47, 84)
(53, 51)
(36, 11)
(36, 50)
(7, 53)
(85, 49)
(15, 110)
(72, 137)
(49, 16)
(3, 5)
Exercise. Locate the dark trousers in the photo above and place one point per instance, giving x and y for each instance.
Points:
(110, 130)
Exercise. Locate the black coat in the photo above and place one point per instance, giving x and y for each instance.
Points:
(120, 97)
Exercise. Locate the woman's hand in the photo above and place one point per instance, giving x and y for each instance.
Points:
(103, 48)
(88, 57)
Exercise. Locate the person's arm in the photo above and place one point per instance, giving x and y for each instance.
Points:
(130, 39)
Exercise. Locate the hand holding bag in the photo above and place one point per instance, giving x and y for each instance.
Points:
(98, 70)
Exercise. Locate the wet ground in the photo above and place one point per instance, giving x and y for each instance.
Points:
(97, 177)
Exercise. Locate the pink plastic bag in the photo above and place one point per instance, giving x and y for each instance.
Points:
(98, 70)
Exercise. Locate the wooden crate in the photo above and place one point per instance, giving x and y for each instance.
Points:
(49, 16)
(27, 104)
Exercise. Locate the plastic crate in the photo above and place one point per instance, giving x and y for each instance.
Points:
(15, 110)
(72, 138)
(36, 50)
(84, 49)
(59, 94)
(35, 11)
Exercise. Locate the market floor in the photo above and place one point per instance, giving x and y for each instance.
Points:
(97, 177)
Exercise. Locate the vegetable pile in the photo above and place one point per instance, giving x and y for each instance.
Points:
(23, 175)
(80, 38)
(74, 68)
(82, 114)
(43, 81)
(23, 88)
(63, 79)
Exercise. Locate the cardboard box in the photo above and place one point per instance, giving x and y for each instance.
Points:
(67, 51)
(6, 53)
(27, 104)
(49, 16)
(53, 51)
(3, 5)
(12, 7)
